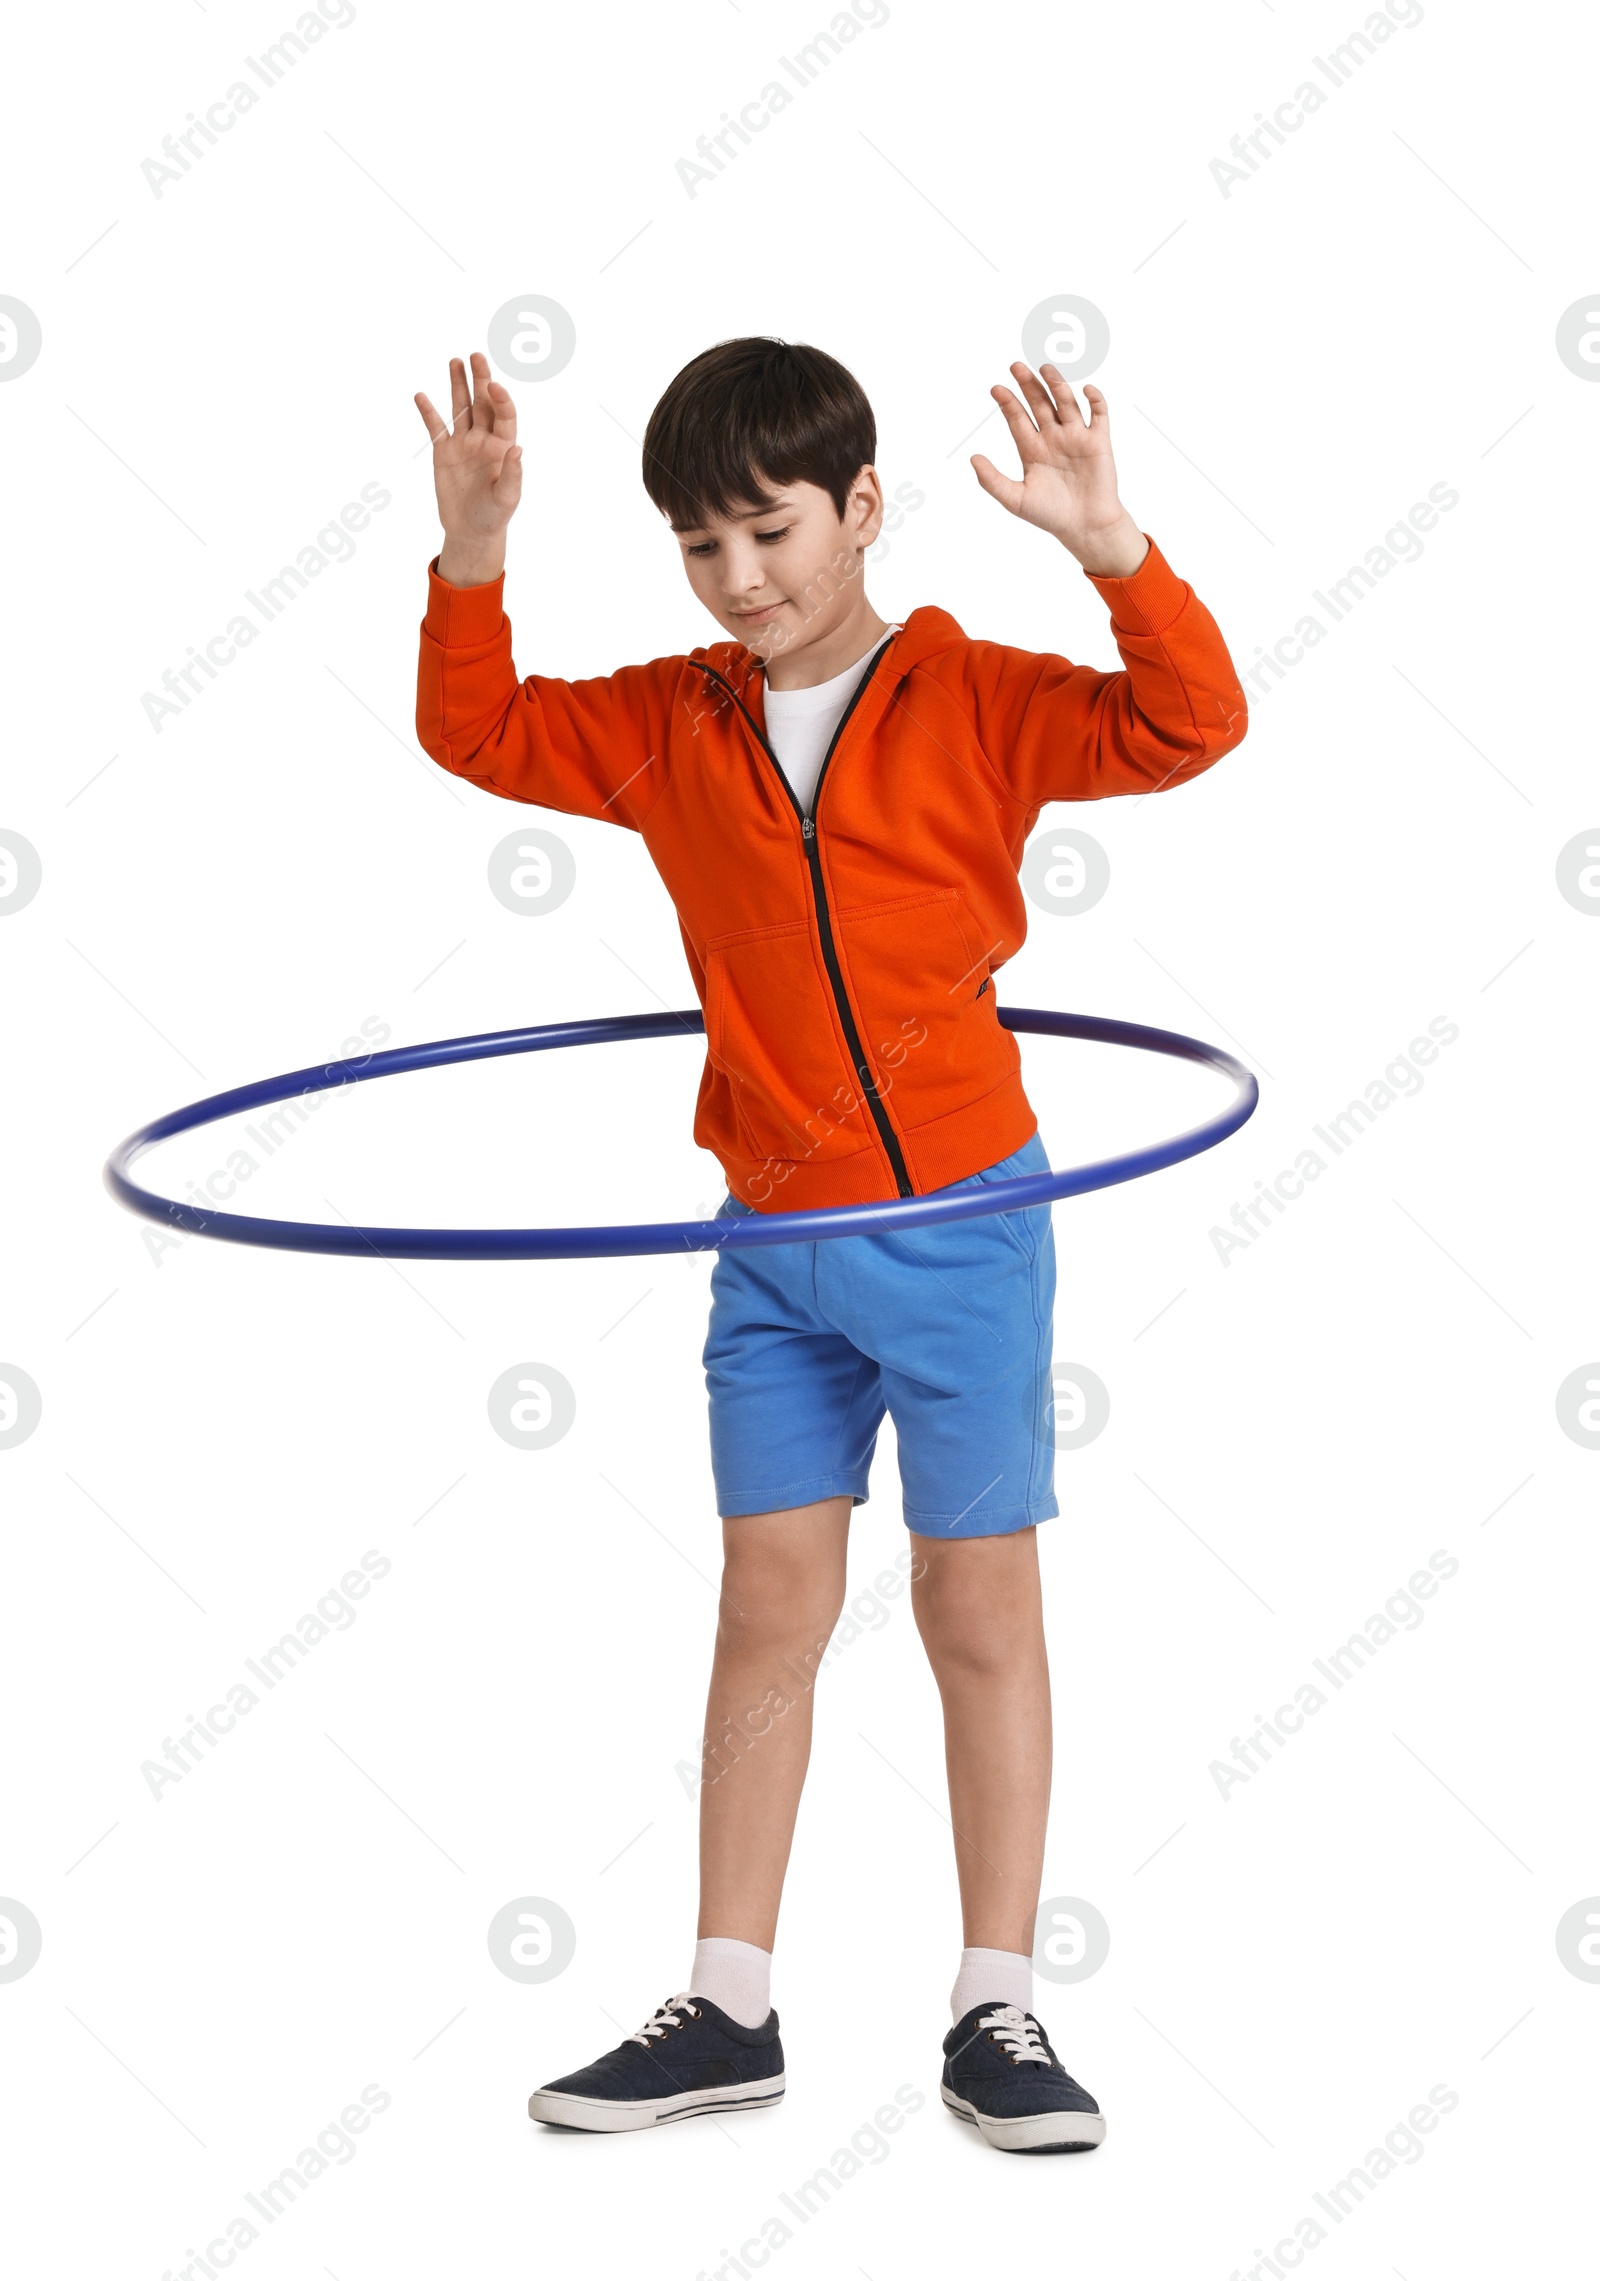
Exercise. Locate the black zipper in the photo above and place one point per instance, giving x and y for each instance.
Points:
(830, 955)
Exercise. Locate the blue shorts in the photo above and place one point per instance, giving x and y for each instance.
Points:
(946, 1328)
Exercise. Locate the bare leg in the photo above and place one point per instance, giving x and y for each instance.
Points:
(978, 1608)
(783, 1580)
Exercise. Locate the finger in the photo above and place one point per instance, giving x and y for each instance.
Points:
(507, 486)
(1039, 398)
(1099, 411)
(460, 397)
(1024, 434)
(1005, 488)
(482, 410)
(504, 407)
(1065, 400)
(431, 420)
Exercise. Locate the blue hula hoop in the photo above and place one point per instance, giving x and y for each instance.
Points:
(667, 1235)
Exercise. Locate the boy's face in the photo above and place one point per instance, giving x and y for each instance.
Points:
(783, 576)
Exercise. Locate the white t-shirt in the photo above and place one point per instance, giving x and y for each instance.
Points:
(801, 722)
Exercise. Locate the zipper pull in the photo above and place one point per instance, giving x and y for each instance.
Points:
(808, 830)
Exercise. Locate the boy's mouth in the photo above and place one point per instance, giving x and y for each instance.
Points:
(757, 617)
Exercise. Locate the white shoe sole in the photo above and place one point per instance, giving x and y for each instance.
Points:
(1031, 2134)
(565, 2111)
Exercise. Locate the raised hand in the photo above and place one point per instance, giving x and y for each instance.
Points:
(477, 473)
(1069, 480)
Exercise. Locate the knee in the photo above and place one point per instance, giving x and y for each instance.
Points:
(782, 1605)
(977, 1608)
(960, 1644)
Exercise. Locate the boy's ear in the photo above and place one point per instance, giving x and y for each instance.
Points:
(864, 507)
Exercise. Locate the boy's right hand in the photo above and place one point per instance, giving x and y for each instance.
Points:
(477, 473)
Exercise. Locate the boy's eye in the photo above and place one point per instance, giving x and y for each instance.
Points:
(767, 538)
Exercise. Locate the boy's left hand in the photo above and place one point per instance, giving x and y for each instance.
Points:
(1069, 482)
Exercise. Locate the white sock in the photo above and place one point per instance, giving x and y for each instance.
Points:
(991, 1976)
(736, 1977)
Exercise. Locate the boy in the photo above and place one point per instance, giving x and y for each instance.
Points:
(838, 807)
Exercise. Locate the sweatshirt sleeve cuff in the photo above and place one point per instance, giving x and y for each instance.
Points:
(1149, 601)
(463, 617)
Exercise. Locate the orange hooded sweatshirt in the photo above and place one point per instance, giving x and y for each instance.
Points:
(854, 1050)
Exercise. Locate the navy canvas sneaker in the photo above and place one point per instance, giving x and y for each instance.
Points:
(1000, 2073)
(689, 2059)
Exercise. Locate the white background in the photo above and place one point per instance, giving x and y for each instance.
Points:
(225, 1432)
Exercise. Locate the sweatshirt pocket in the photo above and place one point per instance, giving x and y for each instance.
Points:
(920, 973)
(769, 1032)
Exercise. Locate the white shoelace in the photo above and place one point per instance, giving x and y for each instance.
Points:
(666, 2017)
(1018, 2033)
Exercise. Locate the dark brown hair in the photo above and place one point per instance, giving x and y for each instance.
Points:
(751, 413)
